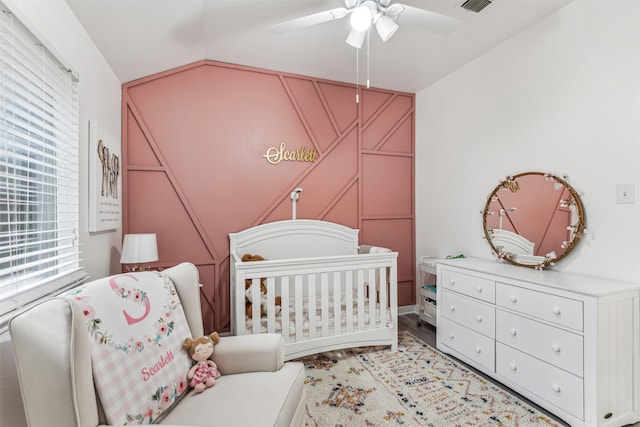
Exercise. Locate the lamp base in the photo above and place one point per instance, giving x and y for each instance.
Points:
(132, 268)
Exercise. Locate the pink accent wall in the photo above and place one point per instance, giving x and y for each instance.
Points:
(194, 171)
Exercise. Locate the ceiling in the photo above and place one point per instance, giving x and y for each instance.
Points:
(142, 37)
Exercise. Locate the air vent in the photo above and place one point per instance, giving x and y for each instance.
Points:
(475, 5)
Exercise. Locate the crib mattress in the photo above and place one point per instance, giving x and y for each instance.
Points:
(318, 319)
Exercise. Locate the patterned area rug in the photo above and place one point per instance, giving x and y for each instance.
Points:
(416, 386)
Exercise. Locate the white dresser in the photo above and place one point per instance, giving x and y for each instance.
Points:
(568, 342)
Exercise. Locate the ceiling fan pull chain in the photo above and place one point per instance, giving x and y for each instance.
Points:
(357, 75)
(368, 56)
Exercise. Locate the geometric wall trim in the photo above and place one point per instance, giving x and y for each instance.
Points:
(194, 165)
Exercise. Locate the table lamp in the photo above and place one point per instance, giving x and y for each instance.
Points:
(138, 249)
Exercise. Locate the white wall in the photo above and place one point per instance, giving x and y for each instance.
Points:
(100, 99)
(563, 97)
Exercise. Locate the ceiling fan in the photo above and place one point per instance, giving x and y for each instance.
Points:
(379, 13)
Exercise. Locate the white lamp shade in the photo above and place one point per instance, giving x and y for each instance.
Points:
(139, 248)
(356, 38)
(386, 27)
(361, 18)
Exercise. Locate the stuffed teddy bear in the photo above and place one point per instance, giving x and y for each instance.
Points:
(204, 373)
(263, 291)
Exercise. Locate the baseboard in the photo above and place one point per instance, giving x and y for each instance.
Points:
(407, 309)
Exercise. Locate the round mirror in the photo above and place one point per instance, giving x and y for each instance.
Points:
(533, 219)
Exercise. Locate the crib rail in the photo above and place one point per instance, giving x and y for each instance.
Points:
(327, 302)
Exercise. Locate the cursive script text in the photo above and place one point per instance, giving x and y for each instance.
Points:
(276, 155)
(149, 371)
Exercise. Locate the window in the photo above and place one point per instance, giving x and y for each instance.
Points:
(39, 251)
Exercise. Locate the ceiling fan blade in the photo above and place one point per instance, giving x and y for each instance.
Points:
(309, 20)
(427, 20)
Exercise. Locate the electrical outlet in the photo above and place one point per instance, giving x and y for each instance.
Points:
(626, 193)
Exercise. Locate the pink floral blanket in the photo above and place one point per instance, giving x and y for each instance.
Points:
(137, 325)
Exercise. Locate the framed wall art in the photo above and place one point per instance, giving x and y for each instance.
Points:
(105, 181)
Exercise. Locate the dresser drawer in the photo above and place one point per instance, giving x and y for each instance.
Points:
(474, 346)
(554, 385)
(559, 310)
(477, 287)
(469, 312)
(556, 346)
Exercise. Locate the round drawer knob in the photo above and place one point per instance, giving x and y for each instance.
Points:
(514, 299)
(556, 310)
(452, 282)
(452, 335)
(513, 366)
(452, 307)
(555, 348)
(479, 289)
(479, 318)
(478, 349)
(556, 388)
(513, 331)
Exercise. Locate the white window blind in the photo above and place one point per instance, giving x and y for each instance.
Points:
(39, 205)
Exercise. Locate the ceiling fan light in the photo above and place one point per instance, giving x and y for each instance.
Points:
(361, 18)
(386, 27)
(356, 38)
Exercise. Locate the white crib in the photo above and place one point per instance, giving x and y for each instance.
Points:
(332, 296)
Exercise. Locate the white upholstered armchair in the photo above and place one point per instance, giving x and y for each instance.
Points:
(52, 349)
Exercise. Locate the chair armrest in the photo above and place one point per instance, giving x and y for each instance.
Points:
(249, 353)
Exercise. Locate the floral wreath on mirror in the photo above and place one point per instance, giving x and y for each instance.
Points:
(572, 202)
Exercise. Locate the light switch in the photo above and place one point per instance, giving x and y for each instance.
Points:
(626, 193)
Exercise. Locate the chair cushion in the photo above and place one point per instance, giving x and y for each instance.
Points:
(136, 326)
(245, 400)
